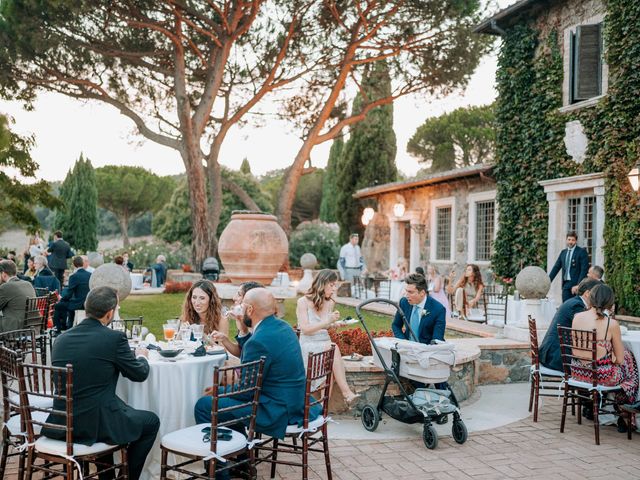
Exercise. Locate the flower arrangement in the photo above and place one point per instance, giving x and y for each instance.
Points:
(507, 284)
(355, 340)
(177, 287)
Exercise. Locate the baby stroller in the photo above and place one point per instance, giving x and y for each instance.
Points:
(211, 269)
(422, 363)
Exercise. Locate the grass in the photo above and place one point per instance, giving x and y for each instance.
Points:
(157, 309)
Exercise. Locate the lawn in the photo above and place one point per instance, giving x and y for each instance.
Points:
(156, 309)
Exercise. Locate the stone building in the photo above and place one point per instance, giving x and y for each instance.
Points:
(592, 195)
(447, 219)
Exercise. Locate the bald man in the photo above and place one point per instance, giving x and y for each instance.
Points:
(283, 380)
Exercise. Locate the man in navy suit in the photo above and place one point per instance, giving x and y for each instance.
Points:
(59, 251)
(427, 317)
(574, 263)
(549, 350)
(281, 400)
(72, 297)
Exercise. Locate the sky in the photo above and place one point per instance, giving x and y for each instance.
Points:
(64, 128)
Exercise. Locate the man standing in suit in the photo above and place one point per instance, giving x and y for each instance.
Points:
(59, 252)
(283, 379)
(549, 350)
(99, 355)
(574, 263)
(427, 317)
(13, 297)
(44, 276)
(72, 297)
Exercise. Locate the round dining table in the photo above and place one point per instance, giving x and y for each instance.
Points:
(631, 341)
(171, 391)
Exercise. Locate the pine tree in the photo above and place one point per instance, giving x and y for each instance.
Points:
(369, 155)
(329, 186)
(245, 168)
(78, 219)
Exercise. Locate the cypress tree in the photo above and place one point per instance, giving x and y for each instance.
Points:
(329, 187)
(245, 168)
(369, 154)
(78, 219)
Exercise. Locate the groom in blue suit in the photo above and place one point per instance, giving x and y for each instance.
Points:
(281, 400)
(426, 316)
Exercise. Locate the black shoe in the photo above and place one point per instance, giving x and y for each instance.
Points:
(587, 412)
(622, 425)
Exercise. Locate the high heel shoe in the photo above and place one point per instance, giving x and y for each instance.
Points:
(350, 400)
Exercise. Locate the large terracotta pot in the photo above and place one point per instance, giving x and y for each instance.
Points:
(253, 247)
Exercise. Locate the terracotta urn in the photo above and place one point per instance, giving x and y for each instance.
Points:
(252, 247)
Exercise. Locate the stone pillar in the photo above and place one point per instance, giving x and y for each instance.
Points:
(555, 240)
(598, 255)
(394, 246)
(414, 260)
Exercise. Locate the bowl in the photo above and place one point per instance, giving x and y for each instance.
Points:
(170, 353)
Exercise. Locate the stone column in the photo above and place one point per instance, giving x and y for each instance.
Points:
(599, 217)
(555, 236)
(393, 243)
(414, 260)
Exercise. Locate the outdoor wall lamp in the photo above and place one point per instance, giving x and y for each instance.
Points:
(634, 177)
(398, 210)
(367, 216)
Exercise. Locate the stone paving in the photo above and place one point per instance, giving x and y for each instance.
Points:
(521, 450)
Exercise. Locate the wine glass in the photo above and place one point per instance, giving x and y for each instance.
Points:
(136, 334)
(184, 333)
(169, 331)
(198, 332)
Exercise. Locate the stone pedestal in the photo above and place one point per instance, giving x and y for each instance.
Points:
(518, 328)
(307, 280)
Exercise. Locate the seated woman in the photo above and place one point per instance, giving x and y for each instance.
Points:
(615, 366)
(436, 288)
(202, 306)
(467, 291)
(236, 313)
(400, 271)
(315, 314)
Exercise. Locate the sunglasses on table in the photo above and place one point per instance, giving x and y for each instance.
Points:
(224, 434)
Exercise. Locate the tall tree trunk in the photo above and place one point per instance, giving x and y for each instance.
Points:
(290, 186)
(124, 228)
(214, 174)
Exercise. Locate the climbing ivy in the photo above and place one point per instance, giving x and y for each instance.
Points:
(530, 147)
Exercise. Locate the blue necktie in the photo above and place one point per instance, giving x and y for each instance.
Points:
(415, 322)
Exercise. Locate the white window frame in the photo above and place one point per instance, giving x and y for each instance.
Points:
(435, 204)
(473, 199)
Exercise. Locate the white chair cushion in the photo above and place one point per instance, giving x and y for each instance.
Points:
(589, 386)
(34, 400)
(316, 424)
(548, 372)
(14, 423)
(189, 440)
(58, 447)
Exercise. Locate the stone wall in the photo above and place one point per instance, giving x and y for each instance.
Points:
(503, 365)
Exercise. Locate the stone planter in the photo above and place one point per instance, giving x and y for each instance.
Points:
(252, 247)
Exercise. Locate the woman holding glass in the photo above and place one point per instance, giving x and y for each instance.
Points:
(202, 306)
(315, 315)
(467, 291)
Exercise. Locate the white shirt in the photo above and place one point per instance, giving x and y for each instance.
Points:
(352, 255)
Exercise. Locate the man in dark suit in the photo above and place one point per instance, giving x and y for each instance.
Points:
(59, 251)
(72, 297)
(283, 380)
(427, 317)
(44, 276)
(13, 297)
(99, 355)
(550, 348)
(574, 263)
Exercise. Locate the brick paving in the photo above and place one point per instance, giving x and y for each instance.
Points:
(521, 450)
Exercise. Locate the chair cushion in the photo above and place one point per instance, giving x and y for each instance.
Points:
(58, 447)
(317, 423)
(14, 423)
(34, 400)
(549, 372)
(189, 440)
(589, 386)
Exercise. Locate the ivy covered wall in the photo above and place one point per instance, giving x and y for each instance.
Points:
(530, 147)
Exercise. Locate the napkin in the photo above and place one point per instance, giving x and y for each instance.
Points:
(200, 351)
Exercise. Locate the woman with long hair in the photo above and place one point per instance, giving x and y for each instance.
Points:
(436, 288)
(202, 306)
(467, 291)
(315, 313)
(615, 365)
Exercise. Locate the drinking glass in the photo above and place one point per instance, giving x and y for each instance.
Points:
(118, 325)
(169, 332)
(198, 331)
(185, 333)
(136, 333)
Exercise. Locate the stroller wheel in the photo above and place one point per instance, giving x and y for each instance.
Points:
(430, 437)
(370, 417)
(459, 431)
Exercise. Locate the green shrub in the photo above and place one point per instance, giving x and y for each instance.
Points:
(318, 238)
(143, 254)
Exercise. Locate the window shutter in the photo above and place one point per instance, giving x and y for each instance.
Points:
(588, 62)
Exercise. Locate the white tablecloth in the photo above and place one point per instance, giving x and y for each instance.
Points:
(517, 312)
(631, 342)
(171, 391)
(136, 281)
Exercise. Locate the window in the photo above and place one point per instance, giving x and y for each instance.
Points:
(443, 233)
(443, 218)
(581, 219)
(485, 230)
(585, 48)
(483, 225)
